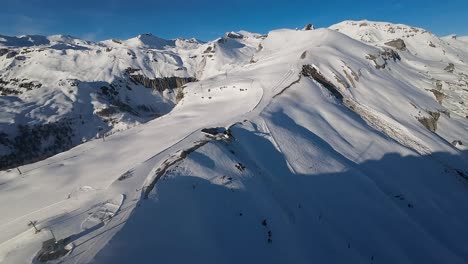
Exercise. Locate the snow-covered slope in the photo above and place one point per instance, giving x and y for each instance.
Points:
(59, 91)
(327, 149)
(442, 62)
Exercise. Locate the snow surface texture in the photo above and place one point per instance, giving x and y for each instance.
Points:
(339, 151)
(59, 91)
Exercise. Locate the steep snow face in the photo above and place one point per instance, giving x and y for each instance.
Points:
(335, 150)
(375, 82)
(442, 62)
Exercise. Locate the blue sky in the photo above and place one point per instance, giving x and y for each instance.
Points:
(206, 20)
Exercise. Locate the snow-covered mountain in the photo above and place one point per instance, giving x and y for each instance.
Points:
(332, 145)
(425, 53)
(59, 91)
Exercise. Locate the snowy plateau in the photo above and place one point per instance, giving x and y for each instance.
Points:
(345, 144)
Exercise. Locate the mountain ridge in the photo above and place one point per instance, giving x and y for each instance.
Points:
(288, 147)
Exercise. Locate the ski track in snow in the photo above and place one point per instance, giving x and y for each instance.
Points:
(101, 200)
(267, 130)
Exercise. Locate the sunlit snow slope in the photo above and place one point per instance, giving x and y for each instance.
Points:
(59, 91)
(338, 151)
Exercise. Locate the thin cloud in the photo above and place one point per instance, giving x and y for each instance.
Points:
(92, 36)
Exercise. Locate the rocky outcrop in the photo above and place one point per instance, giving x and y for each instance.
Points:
(180, 94)
(16, 87)
(373, 118)
(309, 27)
(398, 44)
(30, 85)
(304, 55)
(450, 68)
(457, 143)
(438, 95)
(209, 50)
(3, 52)
(161, 84)
(311, 72)
(11, 54)
(430, 122)
(381, 59)
(9, 91)
(234, 35)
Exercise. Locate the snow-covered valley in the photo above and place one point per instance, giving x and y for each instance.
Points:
(341, 144)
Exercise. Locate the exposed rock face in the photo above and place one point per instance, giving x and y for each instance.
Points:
(234, 35)
(311, 72)
(431, 121)
(17, 88)
(438, 95)
(304, 55)
(381, 59)
(260, 47)
(180, 94)
(3, 52)
(9, 91)
(11, 54)
(106, 112)
(161, 84)
(309, 27)
(389, 54)
(209, 50)
(450, 68)
(30, 85)
(398, 44)
(130, 70)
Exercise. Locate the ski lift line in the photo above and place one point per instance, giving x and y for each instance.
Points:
(23, 216)
(16, 237)
(28, 214)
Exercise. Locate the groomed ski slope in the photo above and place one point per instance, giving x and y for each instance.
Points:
(308, 177)
(72, 91)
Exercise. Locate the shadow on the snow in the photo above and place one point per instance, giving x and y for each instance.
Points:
(391, 210)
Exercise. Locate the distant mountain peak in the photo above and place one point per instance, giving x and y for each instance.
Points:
(23, 41)
(150, 41)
